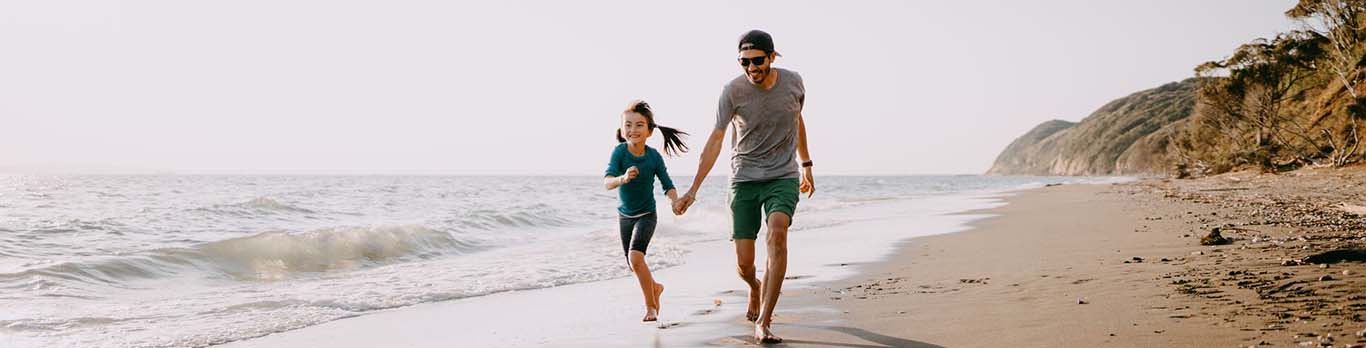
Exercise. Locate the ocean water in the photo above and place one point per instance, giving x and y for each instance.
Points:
(177, 261)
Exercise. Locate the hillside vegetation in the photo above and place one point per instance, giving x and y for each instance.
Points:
(1274, 104)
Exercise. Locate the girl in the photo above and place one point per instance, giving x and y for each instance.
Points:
(633, 168)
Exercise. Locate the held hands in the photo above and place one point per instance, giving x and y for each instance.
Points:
(682, 203)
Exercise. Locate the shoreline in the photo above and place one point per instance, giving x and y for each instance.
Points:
(1072, 265)
(703, 298)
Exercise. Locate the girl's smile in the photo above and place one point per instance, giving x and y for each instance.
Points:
(634, 128)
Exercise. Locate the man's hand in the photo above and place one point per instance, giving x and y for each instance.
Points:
(808, 185)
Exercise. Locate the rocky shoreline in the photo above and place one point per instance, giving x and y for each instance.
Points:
(1292, 268)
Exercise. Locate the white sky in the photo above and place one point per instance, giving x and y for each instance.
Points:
(497, 87)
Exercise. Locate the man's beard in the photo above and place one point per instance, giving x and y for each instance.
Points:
(761, 75)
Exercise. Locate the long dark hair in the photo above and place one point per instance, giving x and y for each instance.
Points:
(673, 138)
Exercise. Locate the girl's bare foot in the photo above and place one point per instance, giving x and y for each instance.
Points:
(763, 336)
(659, 289)
(651, 314)
(752, 313)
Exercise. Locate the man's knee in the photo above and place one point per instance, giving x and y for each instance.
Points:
(779, 220)
(778, 223)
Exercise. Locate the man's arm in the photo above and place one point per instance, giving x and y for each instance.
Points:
(808, 181)
(802, 153)
(708, 159)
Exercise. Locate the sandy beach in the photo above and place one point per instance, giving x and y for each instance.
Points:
(1119, 266)
(1095, 265)
(1053, 268)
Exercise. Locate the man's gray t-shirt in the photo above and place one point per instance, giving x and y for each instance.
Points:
(764, 137)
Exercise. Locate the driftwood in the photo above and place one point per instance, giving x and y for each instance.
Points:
(1214, 238)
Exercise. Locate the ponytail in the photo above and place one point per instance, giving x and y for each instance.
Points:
(673, 141)
(673, 138)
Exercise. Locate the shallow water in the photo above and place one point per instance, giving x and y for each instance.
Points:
(160, 261)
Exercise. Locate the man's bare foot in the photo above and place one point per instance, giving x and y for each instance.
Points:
(659, 289)
(763, 336)
(752, 313)
(651, 314)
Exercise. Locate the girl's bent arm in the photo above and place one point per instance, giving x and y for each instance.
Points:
(611, 182)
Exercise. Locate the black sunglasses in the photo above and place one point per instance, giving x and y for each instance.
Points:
(756, 60)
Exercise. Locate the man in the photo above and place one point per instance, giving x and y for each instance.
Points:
(764, 108)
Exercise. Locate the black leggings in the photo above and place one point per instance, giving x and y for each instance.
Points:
(636, 232)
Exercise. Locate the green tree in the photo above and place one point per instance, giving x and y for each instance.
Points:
(1245, 95)
(1340, 22)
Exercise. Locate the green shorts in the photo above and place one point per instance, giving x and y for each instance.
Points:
(753, 201)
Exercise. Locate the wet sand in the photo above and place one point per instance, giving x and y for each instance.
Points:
(704, 299)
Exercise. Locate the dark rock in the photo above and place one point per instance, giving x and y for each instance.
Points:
(1335, 256)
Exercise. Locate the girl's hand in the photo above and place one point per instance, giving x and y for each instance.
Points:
(631, 174)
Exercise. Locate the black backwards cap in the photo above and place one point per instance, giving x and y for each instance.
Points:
(757, 40)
